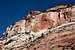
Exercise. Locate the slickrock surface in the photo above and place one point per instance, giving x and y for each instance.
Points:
(53, 29)
(56, 41)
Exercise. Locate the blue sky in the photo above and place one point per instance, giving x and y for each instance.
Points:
(13, 10)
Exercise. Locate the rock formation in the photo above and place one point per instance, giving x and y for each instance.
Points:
(53, 29)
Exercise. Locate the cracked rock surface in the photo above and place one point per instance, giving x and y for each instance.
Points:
(53, 29)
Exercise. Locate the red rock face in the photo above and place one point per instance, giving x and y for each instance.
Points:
(46, 20)
(44, 23)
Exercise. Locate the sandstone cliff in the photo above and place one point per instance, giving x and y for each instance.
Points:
(53, 29)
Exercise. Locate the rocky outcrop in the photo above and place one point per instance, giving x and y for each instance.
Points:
(49, 30)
